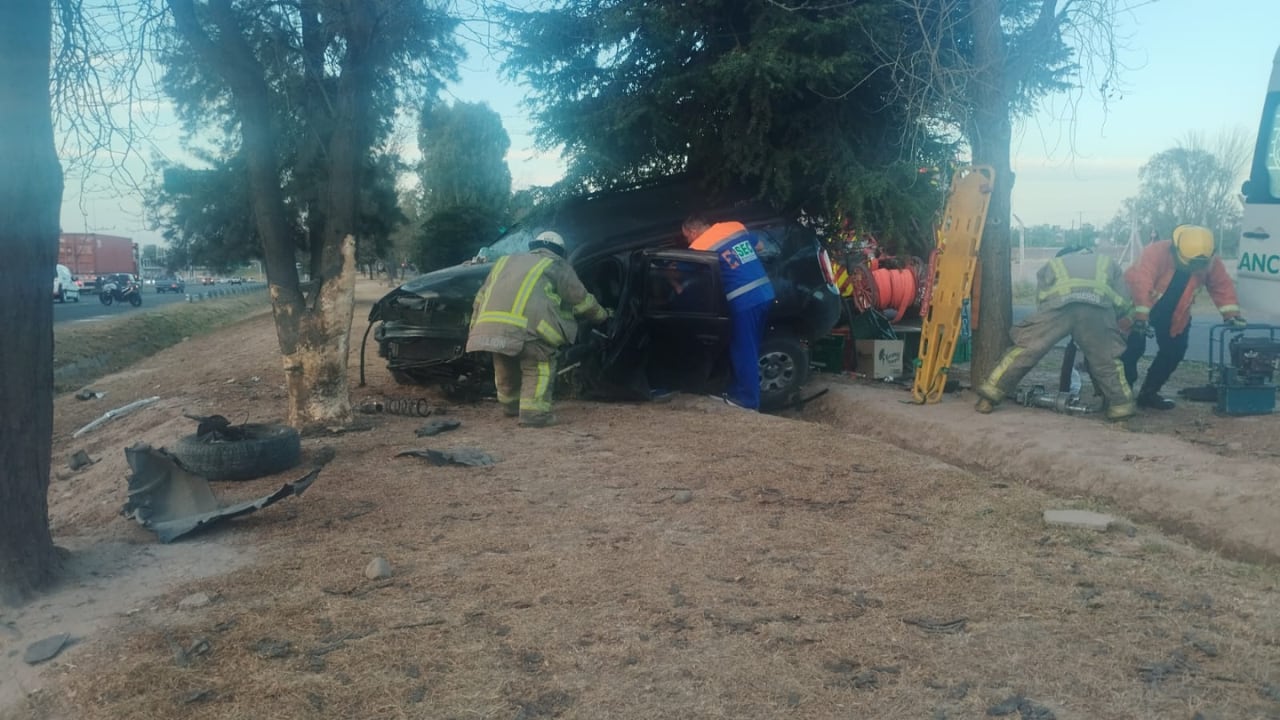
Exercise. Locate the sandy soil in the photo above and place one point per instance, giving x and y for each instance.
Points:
(682, 560)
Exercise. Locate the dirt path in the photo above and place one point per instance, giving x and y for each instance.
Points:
(683, 560)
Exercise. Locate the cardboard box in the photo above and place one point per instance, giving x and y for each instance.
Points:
(879, 358)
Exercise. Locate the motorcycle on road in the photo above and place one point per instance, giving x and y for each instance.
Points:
(114, 291)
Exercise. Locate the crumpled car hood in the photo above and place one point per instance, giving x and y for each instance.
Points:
(450, 288)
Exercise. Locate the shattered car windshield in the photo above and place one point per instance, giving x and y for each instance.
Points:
(516, 241)
(510, 244)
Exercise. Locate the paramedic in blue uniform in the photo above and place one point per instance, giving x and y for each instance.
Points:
(749, 293)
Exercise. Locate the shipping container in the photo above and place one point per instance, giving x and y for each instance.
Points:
(89, 255)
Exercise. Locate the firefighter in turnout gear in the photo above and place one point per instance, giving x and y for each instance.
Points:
(1082, 295)
(526, 309)
(1164, 283)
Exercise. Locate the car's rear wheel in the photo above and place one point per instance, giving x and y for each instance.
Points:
(784, 368)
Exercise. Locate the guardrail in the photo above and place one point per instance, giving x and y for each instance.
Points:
(195, 297)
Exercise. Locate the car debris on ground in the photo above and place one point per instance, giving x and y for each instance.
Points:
(471, 457)
(435, 427)
(171, 501)
(408, 407)
(110, 415)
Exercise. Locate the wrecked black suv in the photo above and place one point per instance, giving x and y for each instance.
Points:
(627, 248)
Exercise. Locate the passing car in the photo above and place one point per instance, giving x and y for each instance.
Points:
(237, 281)
(627, 247)
(206, 280)
(170, 285)
(65, 286)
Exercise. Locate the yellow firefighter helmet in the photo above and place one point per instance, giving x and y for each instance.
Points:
(1193, 243)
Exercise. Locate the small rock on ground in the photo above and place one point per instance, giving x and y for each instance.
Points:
(195, 601)
(1078, 518)
(46, 649)
(79, 459)
(268, 648)
(682, 497)
(378, 569)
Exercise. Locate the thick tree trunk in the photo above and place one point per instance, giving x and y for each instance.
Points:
(990, 136)
(30, 201)
(313, 330)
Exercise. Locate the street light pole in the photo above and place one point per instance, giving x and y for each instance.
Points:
(1022, 246)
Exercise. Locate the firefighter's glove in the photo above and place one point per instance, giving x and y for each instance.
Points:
(1238, 322)
(1139, 327)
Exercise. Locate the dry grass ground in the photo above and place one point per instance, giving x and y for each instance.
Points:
(683, 560)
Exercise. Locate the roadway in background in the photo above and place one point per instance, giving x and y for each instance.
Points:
(90, 309)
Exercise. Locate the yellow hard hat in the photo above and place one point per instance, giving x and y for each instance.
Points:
(1193, 242)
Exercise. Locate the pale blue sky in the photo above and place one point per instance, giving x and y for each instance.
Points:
(1193, 65)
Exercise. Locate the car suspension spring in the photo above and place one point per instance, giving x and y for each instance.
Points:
(399, 406)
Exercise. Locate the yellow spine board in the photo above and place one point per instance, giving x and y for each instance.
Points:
(959, 238)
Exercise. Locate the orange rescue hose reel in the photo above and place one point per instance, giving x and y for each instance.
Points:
(887, 288)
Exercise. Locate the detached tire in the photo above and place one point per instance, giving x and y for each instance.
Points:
(784, 368)
(265, 450)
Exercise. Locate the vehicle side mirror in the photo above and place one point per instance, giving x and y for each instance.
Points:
(1246, 187)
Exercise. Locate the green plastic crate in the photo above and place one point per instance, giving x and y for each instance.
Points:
(827, 354)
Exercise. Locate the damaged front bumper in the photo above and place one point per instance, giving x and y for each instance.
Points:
(170, 501)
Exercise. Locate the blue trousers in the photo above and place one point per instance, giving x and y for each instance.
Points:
(746, 330)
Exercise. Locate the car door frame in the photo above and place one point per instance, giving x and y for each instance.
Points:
(707, 328)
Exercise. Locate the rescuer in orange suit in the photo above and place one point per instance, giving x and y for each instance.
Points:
(749, 294)
(1163, 284)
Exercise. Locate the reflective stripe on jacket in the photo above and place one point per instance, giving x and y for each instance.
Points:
(531, 296)
(1082, 278)
(1150, 276)
(746, 284)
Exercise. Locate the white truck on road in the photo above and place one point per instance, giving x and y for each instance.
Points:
(1258, 269)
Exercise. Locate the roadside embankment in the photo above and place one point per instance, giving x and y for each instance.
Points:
(84, 352)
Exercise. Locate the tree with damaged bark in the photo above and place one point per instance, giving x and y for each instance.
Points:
(30, 201)
(349, 57)
(977, 65)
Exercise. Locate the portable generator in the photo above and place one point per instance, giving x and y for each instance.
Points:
(1243, 368)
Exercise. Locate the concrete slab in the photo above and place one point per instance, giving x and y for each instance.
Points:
(1078, 518)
